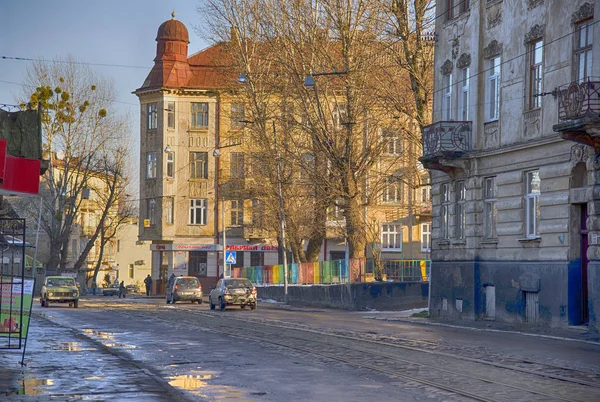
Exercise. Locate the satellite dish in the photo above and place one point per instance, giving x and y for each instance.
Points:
(60, 155)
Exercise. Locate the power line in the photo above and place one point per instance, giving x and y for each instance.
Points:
(83, 63)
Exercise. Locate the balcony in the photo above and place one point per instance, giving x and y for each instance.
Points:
(255, 233)
(444, 143)
(579, 111)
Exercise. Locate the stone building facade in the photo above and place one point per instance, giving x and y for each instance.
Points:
(514, 163)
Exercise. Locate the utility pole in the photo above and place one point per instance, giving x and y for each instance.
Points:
(281, 215)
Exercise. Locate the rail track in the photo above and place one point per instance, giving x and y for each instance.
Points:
(419, 362)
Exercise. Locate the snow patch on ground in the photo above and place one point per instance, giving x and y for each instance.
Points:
(405, 313)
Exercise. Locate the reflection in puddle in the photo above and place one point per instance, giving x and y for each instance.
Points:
(190, 381)
(32, 387)
(100, 334)
(196, 383)
(94, 377)
(120, 345)
(70, 347)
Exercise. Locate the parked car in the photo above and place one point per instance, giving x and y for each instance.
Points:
(112, 290)
(186, 288)
(132, 289)
(233, 292)
(59, 289)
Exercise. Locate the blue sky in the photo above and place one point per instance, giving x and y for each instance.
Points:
(107, 32)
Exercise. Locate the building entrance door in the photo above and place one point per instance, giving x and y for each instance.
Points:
(585, 316)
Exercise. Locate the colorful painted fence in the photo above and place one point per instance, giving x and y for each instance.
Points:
(402, 270)
(338, 271)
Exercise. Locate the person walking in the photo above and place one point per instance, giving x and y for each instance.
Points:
(148, 282)
(122, 290)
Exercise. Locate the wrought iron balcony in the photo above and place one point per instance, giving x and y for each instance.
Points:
(579, 99)
(445, 141)
(579, 111)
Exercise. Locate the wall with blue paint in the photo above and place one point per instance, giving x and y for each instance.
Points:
(466, 280)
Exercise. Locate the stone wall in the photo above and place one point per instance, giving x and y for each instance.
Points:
(356, 296)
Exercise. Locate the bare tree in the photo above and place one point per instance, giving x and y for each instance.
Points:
(338, 121)
(78, 122)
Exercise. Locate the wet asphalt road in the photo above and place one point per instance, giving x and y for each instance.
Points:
(145, 350)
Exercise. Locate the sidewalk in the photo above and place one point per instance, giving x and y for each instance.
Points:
(62, 364)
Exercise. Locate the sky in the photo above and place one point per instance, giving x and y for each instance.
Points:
(103, 32)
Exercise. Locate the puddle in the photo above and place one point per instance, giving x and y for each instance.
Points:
(120, 345)
(31, 387)
(94, 377)
(197, 384)
(190, 382)
(99, 334)
(69, 347)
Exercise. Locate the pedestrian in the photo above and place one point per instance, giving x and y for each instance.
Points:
(171, 281)
(148, 282)
(122, 290)
(116, 281)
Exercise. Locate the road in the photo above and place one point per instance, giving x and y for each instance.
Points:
(144, 349)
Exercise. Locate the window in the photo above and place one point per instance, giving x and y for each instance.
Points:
(257, 213)
(461, 213)
(489, 199)
(171, 115)
(152, 113)
(151, 165)
(151, 212)
(169, 210)
(335, 212)
(131, 271)
(237, 165)
(493, 89)
(392, 140)
(533, 203)
(239, 260)
(199, 115)
(425, 236)
(391, 237)
(237, 115)
(393, 190)
(447, 99)
(454, 8)
(464, 95)
(445, 212)
(199, 165)
(340, 115)
(257, 259)
(118, 246)
(308, 165)
(583, 49)
(536, 50)
(237, 212)
(170, 164)
(198, 208)
(426, 194)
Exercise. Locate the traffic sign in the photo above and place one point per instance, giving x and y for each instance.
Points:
(230, 257)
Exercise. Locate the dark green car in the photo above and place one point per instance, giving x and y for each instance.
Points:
(59, 289)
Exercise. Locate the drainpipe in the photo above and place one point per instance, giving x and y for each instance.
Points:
(217, 187)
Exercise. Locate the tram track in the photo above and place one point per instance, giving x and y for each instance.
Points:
(451, 373)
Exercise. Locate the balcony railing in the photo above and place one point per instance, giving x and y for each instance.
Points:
(447, 138)
(579, 99)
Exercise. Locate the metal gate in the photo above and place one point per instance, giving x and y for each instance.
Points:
(531, 307)
(16, 290)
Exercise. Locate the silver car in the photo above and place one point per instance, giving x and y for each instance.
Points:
(186, 288)
(233, 292)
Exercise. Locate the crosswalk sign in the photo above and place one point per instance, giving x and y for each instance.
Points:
(230, 257)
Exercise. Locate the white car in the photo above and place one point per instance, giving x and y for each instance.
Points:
(233, 292)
